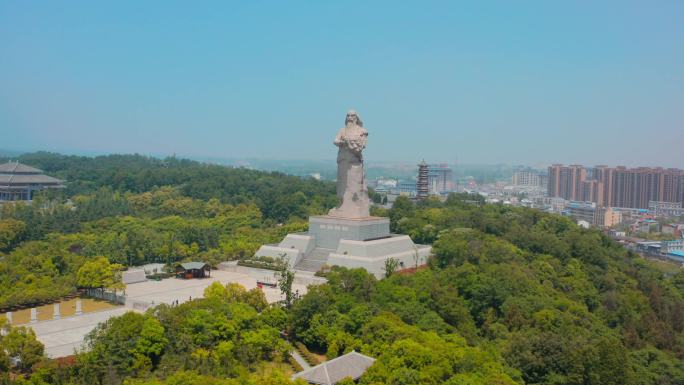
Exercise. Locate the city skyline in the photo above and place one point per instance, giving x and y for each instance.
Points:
(485, 84)
(616, 186)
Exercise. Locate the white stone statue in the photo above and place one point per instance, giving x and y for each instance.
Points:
(351, 181)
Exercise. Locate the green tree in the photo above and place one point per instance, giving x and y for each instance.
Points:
(11, 233)
(121, 347)
(402, 208)
(99, 273)
(19, 343)
(216, 290)
(285, 280)
(152, 340)
(234, 292)
(391, 266)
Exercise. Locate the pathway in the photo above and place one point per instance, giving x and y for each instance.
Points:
(300, 360)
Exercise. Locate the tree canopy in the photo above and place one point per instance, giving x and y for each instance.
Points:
(511, 295)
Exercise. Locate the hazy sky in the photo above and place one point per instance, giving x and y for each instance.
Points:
(484, 81)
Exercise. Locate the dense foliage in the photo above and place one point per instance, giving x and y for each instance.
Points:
(230, 337)
(20, 344)
(277, 195)
(135, 210)
(511, 296)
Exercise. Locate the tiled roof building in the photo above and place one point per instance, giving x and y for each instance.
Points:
(19, 182)
(193, 270)
(351, 365)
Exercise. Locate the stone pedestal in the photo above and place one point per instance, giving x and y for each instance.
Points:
(79, 310)
(57, 314)
(329, 231)
(348, 242)
(34, 315)
(372, 254)
(326, 232)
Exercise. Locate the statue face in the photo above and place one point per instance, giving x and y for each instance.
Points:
(352, 118)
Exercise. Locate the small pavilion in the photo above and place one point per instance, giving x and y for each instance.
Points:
(189, 270)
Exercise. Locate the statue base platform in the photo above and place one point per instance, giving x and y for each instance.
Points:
(330, 230)
(349, 242)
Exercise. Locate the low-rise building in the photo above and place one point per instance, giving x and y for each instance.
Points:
(617, 233)
(675, 230)
(552, 204)
(667, 247)
(645, 226)
(19, 182)
(407, 187)
(677, 255)
(581, 211)
(583, 224)
(608, 217)
(666, 209)
(189, 270)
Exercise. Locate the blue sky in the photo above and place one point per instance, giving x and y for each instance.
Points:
(528, 82)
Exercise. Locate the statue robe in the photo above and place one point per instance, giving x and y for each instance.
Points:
(351, 183)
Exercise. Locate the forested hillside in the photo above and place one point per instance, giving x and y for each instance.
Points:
(511, 296)
(275, 194)
(135, 210)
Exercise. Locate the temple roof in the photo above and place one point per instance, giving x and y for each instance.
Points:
(8, 179)
(331, 372)
(193, 265)
(18, 168)
(17, 174)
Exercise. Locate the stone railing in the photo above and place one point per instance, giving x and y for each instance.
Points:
(56, 314)
(301, 278)
(106, 295)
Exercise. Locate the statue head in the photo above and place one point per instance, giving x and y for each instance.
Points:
(353, 118)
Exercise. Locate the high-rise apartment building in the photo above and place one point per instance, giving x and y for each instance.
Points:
(529, 178)
(553, 182)
(616, 186)
(567, 182)
(441, 178)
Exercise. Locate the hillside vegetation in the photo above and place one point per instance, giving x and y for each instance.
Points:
(511, 296)
(135, 210)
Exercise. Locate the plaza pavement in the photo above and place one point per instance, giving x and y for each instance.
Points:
(181, 290)
(61, 337)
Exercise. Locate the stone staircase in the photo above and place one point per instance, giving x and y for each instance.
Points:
(314, 260)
